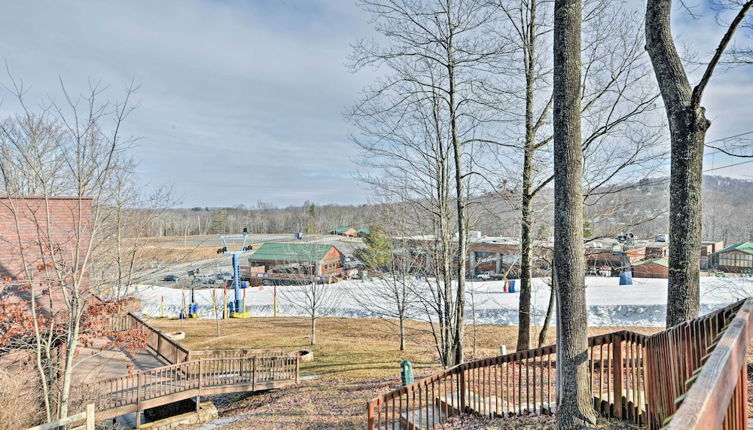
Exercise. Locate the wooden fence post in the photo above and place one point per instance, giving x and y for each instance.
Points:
(90, 416)
(198, 393)
(370, 407)
(617, 370)
(138, 399)
(297, 369)
(253, 374)
(461, 382)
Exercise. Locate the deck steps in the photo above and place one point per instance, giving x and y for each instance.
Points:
(449, 405)
(492, 405)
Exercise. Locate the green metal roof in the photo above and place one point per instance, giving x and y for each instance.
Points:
(291, 252)
(364, 230)
(341, 229)
(660, 261)
(746, 247)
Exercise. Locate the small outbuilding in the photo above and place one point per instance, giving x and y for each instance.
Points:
(344, 231)
(316, 259)
(736, 258)
(655, 268)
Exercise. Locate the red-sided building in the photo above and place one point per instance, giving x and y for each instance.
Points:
(33, 228)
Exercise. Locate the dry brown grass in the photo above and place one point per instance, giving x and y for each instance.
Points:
(19, 399)
(355, 360)
(175, 254)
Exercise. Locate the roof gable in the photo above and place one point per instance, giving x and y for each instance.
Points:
(291, 252)
(660, 261)
(746, 247)
(342, 230)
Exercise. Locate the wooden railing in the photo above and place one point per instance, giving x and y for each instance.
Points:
(516, 384)
(88, 416)
(172, 351)
(164, 346)
(716, 393)
(145, 389)
(190, 374)
(637, 378)
(235, 353)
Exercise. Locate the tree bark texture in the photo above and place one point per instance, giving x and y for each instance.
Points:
(526, 215)
(575, 409)
(549, 310)
(524, 305)
(460, 202)
(687, 125)
(313, 331)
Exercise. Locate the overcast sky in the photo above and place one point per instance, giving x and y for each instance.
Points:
(242, 101)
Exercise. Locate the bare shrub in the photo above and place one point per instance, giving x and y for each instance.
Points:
(20, 399)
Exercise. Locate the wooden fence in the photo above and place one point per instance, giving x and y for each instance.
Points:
(189, 374)
(235, 353)
(161, 344)
(163, 385)
(641, 379)
(716, 393)
(88, 416)
(172, 351)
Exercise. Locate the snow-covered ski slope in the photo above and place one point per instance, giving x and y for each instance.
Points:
(642, 304)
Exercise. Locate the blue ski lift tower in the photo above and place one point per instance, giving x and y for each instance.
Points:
(237, 304)
(626, 271)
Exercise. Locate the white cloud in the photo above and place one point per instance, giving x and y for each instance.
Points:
(248, 96)
(243, 101)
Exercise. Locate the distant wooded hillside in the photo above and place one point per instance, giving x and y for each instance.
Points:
(640, 207)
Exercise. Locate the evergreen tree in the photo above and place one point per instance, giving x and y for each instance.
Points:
(378, 251)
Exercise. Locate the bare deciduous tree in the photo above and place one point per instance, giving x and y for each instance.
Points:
(313, 299)
(436, 55)
(72, 148)
(575, 408)
(688, 126)
(391, 296)
(619, 140)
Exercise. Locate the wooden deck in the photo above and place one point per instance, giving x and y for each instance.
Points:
(189, 374)
(690, 376)
(163, 385)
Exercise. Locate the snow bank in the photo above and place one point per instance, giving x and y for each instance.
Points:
(642, 304)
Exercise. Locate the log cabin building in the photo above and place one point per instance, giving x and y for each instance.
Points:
(295, 261)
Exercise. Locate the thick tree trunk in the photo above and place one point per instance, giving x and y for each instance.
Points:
(526, 216)
(683, 293)
(549, 310)
(687, 125)
(457, 152)
(575, 409)
(524, 304)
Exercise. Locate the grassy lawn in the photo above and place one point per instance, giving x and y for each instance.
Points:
(354, 361)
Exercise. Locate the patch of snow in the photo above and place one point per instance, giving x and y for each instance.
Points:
(609, 304)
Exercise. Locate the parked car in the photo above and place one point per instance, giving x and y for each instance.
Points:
(224, 276)
(206, 280)
(171, 278)
(484, 276)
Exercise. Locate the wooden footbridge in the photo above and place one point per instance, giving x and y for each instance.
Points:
(190, 374)
(692, 376)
